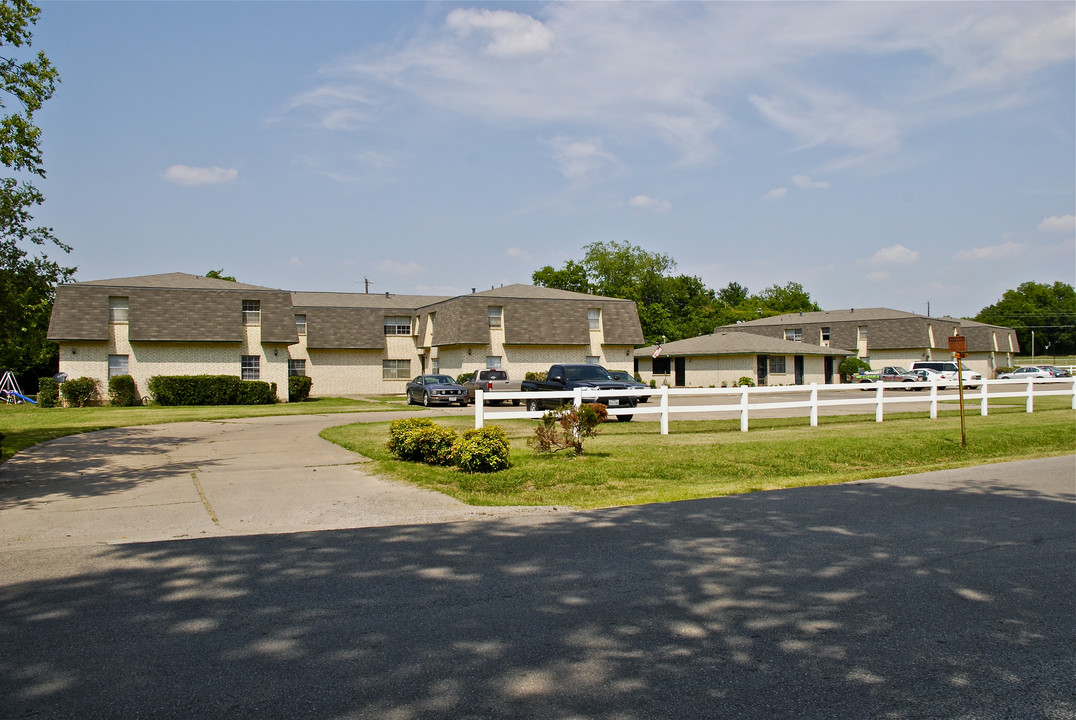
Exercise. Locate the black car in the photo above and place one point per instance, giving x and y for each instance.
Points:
(625, 377)
(433, 389)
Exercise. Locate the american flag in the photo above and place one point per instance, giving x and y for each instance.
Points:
(657, 351)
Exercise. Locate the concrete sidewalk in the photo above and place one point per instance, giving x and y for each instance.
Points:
(204, 479)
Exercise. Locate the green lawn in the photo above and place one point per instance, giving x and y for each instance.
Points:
(631, 463)
(26, 425)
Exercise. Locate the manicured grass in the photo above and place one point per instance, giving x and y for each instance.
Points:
(631, 463)
(26, 425)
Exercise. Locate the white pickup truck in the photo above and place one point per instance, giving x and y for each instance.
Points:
(491, 381)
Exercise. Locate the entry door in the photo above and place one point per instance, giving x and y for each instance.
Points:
(799, 369)
(679, 368)
(829, 370)
(763, 368)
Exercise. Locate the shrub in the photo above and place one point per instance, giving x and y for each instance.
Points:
(850, 366)
(745, 381)
(123, 392)
(435, 445)
(402, 443)
(48, 393)
(464, 377)
(998, 371)
(81, 392)
(299, 388)
(538, 376)
(483, 450)
(210, 390)
(567, 427)
(255, 392)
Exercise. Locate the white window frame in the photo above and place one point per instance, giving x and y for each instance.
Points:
(778, 365)
(252, 312)
(397, 324)
(594, 318)
(395, 369)
(119, 309)
(300, 325)
(493, 362)
(297, 368)
(118, 365)
(794, 334)
(495, 314)
(250, 367)
(824, 334)
(593, 360)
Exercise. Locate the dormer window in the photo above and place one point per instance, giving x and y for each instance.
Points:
(118, 309)
(252, 312)
(398, 325)
(495, 317)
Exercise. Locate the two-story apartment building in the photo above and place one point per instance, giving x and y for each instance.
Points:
(347, 343)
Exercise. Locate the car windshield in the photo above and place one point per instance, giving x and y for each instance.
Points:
(620, 375)
(586, 372)
(439, 380)
(900, 371)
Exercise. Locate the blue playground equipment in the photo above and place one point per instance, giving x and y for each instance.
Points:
(10, 392)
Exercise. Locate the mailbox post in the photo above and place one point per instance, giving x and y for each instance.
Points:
(958, 345)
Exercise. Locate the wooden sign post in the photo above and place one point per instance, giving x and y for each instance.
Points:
(958, 345)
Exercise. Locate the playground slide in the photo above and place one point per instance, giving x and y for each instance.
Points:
(20, 396)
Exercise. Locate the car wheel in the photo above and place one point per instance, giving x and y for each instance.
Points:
(623, 418)
(909, 389)
(426, 399)
(532, 405)
(410, 400)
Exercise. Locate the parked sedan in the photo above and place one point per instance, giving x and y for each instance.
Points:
(626, 378)
(1033, 371)
(434, 389)
(928, 375)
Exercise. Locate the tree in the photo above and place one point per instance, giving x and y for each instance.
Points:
(1048, 310)
(217, 274)
(27, 281)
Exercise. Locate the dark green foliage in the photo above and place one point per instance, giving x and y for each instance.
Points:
(1048, 310)
(483, 450)
(435, 445)
(464, 377)
(535, 376)
(401, 442)
(48, 393)
(745, 380)
(210, 390)
(567, 427)
(122, 391)
(217, 274)
(850, 366)
(81, 392)
(299, 388)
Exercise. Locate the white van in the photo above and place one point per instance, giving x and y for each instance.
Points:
(949, 371)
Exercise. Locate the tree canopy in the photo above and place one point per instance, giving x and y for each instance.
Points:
(28, 276)
(1048, 310)
(671, 307)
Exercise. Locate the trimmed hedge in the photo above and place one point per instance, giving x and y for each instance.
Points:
(122, 391)
(81, 392)
(210, 390)
(483, 450)
(420, 440)
(299, 388)
(48, 393)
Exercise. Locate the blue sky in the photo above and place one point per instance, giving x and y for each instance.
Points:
(880, 154)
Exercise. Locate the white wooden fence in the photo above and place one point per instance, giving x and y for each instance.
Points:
(747, 400)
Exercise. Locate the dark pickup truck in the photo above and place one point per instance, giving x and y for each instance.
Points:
(563, 378)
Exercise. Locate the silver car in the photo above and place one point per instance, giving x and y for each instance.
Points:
(1031, 371)
(435, 389)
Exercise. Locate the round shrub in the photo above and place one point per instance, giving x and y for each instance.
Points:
(48, 393)
(299, 388)
(81, 392)
(435, 445)
(123, 392)
(402, 442)
(483, 450)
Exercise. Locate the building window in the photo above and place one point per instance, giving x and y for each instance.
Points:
(495, 317)
(395, 369)
(117, 365)
(296, 368)
(493, 362)
(593, 360)
(399, 325)
(662, 366)
(250, 367)
(435, 366)
(777, 364)
(794, 334)
(825, 334)
(252, 312)
(594, 317)
(118, 309)
(300, 324)
(861, 333)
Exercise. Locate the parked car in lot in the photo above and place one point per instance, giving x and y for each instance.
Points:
(560, 378)
(927, 375)
(491, 381)
(889, 373)
(626, 377)
(435, 389)
(949, 371)
(1034, 371)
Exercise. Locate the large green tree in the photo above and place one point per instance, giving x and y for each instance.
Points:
(671, 307)
(1048, 310)
(28, 276)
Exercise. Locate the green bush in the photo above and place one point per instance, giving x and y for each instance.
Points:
(255, 392)
(483, 450)
(850, 366)
(435, 445)
(402, 443)
(536, 376)
(567, 427)
(745, 381)
(81, 392)
(210, 390)
(998, 371)
(299, 388)
(48, 393)
(464, 377)
(123, 392)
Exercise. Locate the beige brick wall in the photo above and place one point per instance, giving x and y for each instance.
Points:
(713, 370)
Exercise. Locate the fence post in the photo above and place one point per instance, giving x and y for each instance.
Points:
(814, 404)
(933, 400)
(1030, 396)
(479, 418)
(743, 408)
(983, 410)
(878, 405)
(577, 397)
(664, 409)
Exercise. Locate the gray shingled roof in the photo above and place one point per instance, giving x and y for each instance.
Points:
(738, 343)
(183, 281)
(823, 316)
(388, 301)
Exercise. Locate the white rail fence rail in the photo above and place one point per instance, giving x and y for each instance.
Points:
(747, 400)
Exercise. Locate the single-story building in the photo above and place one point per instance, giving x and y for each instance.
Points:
(725, 356)
(347, 343)
(881, 336)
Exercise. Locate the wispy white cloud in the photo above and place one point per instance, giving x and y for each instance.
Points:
(295, 261)
(510, 34)
(580, 157)
(806, 183)
(194, 176)
(1005, 251)
(776, 194)
(1059, 224)
(645, 202)
(894, 255)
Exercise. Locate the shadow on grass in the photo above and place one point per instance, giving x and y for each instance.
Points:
(861, 600)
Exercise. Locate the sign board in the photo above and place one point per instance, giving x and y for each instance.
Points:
(958, 344)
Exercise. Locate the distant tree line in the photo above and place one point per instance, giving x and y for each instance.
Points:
(1048, 311)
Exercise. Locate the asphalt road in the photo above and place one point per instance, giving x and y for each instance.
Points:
(941, 595)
